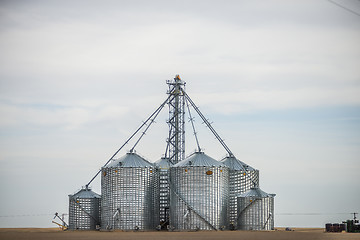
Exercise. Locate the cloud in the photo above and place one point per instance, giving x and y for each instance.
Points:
(247, 101)
(59, 58)
(148, 43)
(52, 116)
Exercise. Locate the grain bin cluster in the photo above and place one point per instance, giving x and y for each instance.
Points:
(175, 193)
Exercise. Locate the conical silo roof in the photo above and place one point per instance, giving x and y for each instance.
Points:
(85, 193)
(199, 159)
(163, 163)
(130, 160)
(256, 192)
(235, 164)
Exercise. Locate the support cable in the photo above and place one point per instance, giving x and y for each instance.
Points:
(208, 124)
(127, 141)
(148, 126)
(191, 119)
(167, 151)
(343, 7)
(168, 143)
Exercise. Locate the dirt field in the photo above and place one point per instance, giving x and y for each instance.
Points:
(55, 234)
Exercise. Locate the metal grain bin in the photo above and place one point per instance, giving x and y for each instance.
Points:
(130, 196)
(199, 194)
(84, 210)
(242, 178)
(163, 166)
(255, 210)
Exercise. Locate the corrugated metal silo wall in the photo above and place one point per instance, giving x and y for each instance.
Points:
(130, 198)
(238, 184)
(199, 200)
(164, 198)
(255, 213)
(84, 213)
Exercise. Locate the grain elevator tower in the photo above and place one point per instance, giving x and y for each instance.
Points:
(176, 122)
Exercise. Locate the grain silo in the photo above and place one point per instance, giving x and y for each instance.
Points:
(84, 210)
(163, 166)
(255, 210)
(129, 187)
(242, 177)
(198, 193)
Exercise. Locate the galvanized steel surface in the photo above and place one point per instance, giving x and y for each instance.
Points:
(242, 177)
(199, 159)
(176, 120)
(130, 160)
(130, 194)
(84, 210)
(164, 165)
(255, 210)
(255, 192)
(198, 194)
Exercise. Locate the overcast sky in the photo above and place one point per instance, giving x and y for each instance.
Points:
(279, 79)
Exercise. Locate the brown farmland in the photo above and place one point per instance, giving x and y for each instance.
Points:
(55, 234)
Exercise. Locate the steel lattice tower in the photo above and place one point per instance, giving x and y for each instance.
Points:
(176, 141)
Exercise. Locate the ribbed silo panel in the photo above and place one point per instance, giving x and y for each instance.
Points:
(84, 210)
(130, 198)
(198, 197)
(255, 212)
